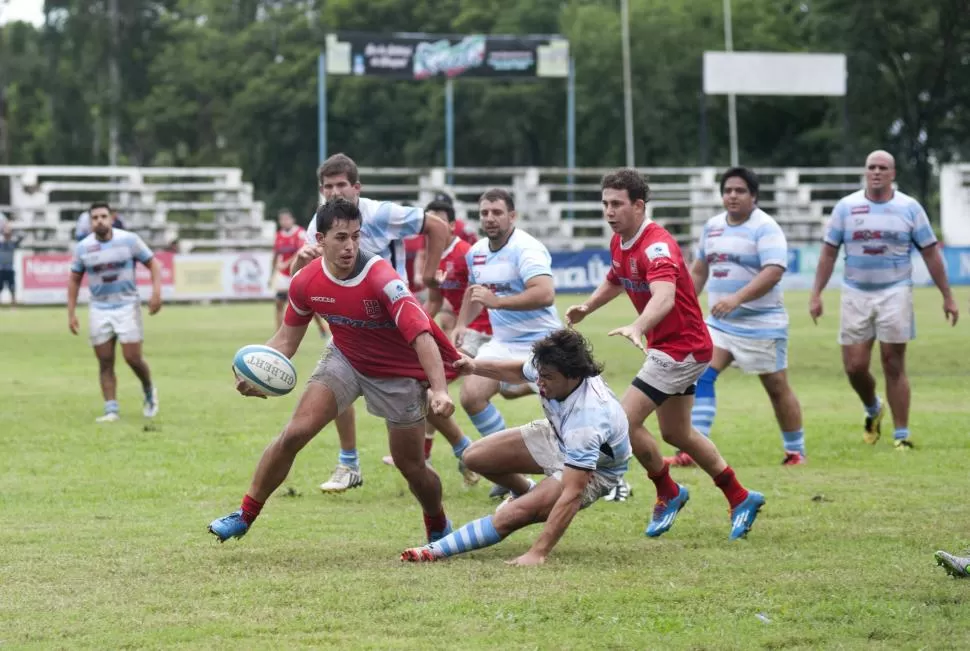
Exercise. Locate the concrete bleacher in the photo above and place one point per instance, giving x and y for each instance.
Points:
(206, 209)
(562, 207)
(199, 208)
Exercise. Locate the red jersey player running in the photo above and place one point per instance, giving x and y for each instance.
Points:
(384, 347)
(647, 263)
(289, 241)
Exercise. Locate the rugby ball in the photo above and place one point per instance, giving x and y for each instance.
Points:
(265, 369)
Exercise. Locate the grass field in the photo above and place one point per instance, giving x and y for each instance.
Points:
(102, 528)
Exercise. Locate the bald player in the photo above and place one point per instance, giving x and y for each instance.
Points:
(879, 226)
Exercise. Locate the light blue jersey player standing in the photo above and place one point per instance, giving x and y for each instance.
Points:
(510, 274)
(879, 227)
(744, 253)
(582, 446)
(382, 231)
(108, 257)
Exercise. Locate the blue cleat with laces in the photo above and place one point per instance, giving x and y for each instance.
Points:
(664, 513)
(744, 514)
(231, 526)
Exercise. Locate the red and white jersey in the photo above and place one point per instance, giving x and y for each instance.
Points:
(653, 255)
(373, 317)
(287, 245)
(455, 266)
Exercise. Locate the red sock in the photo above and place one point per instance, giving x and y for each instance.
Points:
(428, 442)
(250, 509)
(733, 490)
(435, 522)
(667, 488)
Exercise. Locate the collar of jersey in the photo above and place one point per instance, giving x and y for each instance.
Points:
(626, 246)
(353, 281)
(450, 247)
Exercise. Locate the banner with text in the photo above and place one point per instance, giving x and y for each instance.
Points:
(424, 56)
(42, 278)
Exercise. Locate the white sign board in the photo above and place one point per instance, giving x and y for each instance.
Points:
(769, 73)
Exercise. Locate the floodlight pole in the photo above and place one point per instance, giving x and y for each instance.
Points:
(571, 132)
(627, 80)
(732, 99)
(450, 128)
(321, 108)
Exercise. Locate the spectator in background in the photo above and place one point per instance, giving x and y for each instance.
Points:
(83, 227)
(289, 240)
(8, 247)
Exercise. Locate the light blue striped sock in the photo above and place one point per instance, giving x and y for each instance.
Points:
(901, 433)
(488, 421)
(349, 458)
(459, 448)
(111, 406)
(474, 535)
(794, 441)
(705, 403)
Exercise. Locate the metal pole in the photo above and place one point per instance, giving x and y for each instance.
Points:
(571, 132)
(627, 83)
(321, 107)
(732, 100)
(449, 128)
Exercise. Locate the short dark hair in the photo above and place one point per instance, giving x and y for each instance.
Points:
(568, 352)
(499, 194)
(442, 206)
(748, 176)
(284, 211)
(100, 204)
(336, 210)
(627, 178)
(339, 164)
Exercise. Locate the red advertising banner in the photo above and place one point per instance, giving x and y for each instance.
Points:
(51, 271)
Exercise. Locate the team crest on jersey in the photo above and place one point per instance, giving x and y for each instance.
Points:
(658, 250)
(860, 210)
(372, 308)
(715, 232)
(92, 247)
(479, 259)
(395, 290)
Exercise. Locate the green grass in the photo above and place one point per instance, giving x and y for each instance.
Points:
(103, 542)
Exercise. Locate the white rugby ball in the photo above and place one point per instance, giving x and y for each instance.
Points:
(265, 369)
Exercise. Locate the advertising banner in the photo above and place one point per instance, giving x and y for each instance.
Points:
(424, 56)
(223, 275)
(42, 278)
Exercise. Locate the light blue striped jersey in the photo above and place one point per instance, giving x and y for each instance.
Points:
(735, 255)
(590, 425)
(506, 272)
(879, 239)
(110, 267)
(382, 228)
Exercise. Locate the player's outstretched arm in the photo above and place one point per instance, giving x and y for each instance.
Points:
(823, 273)
(509, 371)
(602, 295)
(574, 482)
(287, 339)
(305, 256)
(769, 276)
(699, 273)
(934, 264)
(73, 288)
(429, 357)
(438, 234)
(155, 302)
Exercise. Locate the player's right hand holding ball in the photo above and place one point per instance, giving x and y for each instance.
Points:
(246, 389)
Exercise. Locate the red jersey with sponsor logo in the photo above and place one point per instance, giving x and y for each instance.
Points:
(455, 265)
(373, 317)
(653, 256)
(286, 246)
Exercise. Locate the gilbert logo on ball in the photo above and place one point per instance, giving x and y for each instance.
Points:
(265, 369)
